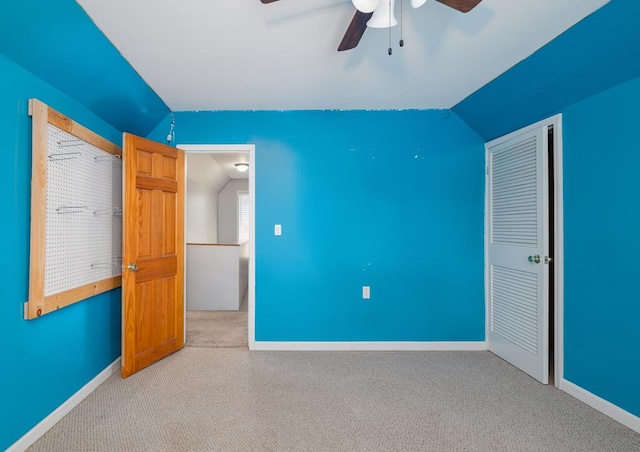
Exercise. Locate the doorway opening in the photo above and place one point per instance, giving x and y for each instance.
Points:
(220, 245)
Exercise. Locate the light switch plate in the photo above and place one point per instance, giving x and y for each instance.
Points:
(366, 292)
(277, 229)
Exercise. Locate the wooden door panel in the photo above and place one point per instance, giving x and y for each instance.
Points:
(169, 245)
(153, 304)
(152, 183)
(143, 166)
(156, 321)
(166, 287)
(144, 316)
(150, 269)
(145, 225)
(169, 168)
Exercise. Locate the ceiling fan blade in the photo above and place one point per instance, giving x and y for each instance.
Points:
(268, 1)
(355, 31)
(461, 5)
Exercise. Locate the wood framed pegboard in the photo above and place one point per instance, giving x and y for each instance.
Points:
(76, 213)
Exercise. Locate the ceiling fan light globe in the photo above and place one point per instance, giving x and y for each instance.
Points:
(383, 16)
(366, 6)
(417, 3)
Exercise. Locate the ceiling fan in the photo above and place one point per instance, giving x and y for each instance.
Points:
(379, 14)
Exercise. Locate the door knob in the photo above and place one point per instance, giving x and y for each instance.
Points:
(133, 267)
(535, 259)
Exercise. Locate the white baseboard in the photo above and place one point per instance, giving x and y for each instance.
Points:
(600, 404)
(369, 346)
(43, 426)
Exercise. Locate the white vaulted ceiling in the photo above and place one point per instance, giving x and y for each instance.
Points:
(244, 55)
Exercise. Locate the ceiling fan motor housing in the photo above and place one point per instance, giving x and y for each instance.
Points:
(366, 6)
(383, 16)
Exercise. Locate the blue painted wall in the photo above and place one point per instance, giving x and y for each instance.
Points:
(602, 221)
(393, 200)
(390, 199)
(590, 74)
(596, 54)
(56, 41)
(45, 360)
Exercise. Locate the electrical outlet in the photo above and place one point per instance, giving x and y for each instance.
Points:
(366, 292)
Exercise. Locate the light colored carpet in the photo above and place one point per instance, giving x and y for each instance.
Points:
(217, 329)
(214, 399)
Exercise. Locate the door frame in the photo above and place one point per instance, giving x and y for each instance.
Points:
(249, 149)
(557, 253)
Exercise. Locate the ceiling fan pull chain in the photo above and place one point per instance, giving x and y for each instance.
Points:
(401, 40)
(390, 50)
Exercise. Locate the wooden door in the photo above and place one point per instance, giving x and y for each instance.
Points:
(152, 253)
(518, 225)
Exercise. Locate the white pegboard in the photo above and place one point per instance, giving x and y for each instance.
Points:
(84, 213)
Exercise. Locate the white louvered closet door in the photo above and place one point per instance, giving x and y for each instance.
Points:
(517, 245)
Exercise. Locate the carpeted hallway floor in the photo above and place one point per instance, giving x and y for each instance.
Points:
(231, 399)
(213, 329)
(218, 329)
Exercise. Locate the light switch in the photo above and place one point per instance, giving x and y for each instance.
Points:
(277, 229)
(366, 292)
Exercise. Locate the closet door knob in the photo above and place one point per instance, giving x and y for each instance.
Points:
(535, 259)
(133, 267)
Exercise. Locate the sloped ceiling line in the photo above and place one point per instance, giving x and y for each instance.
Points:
(189, 55)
